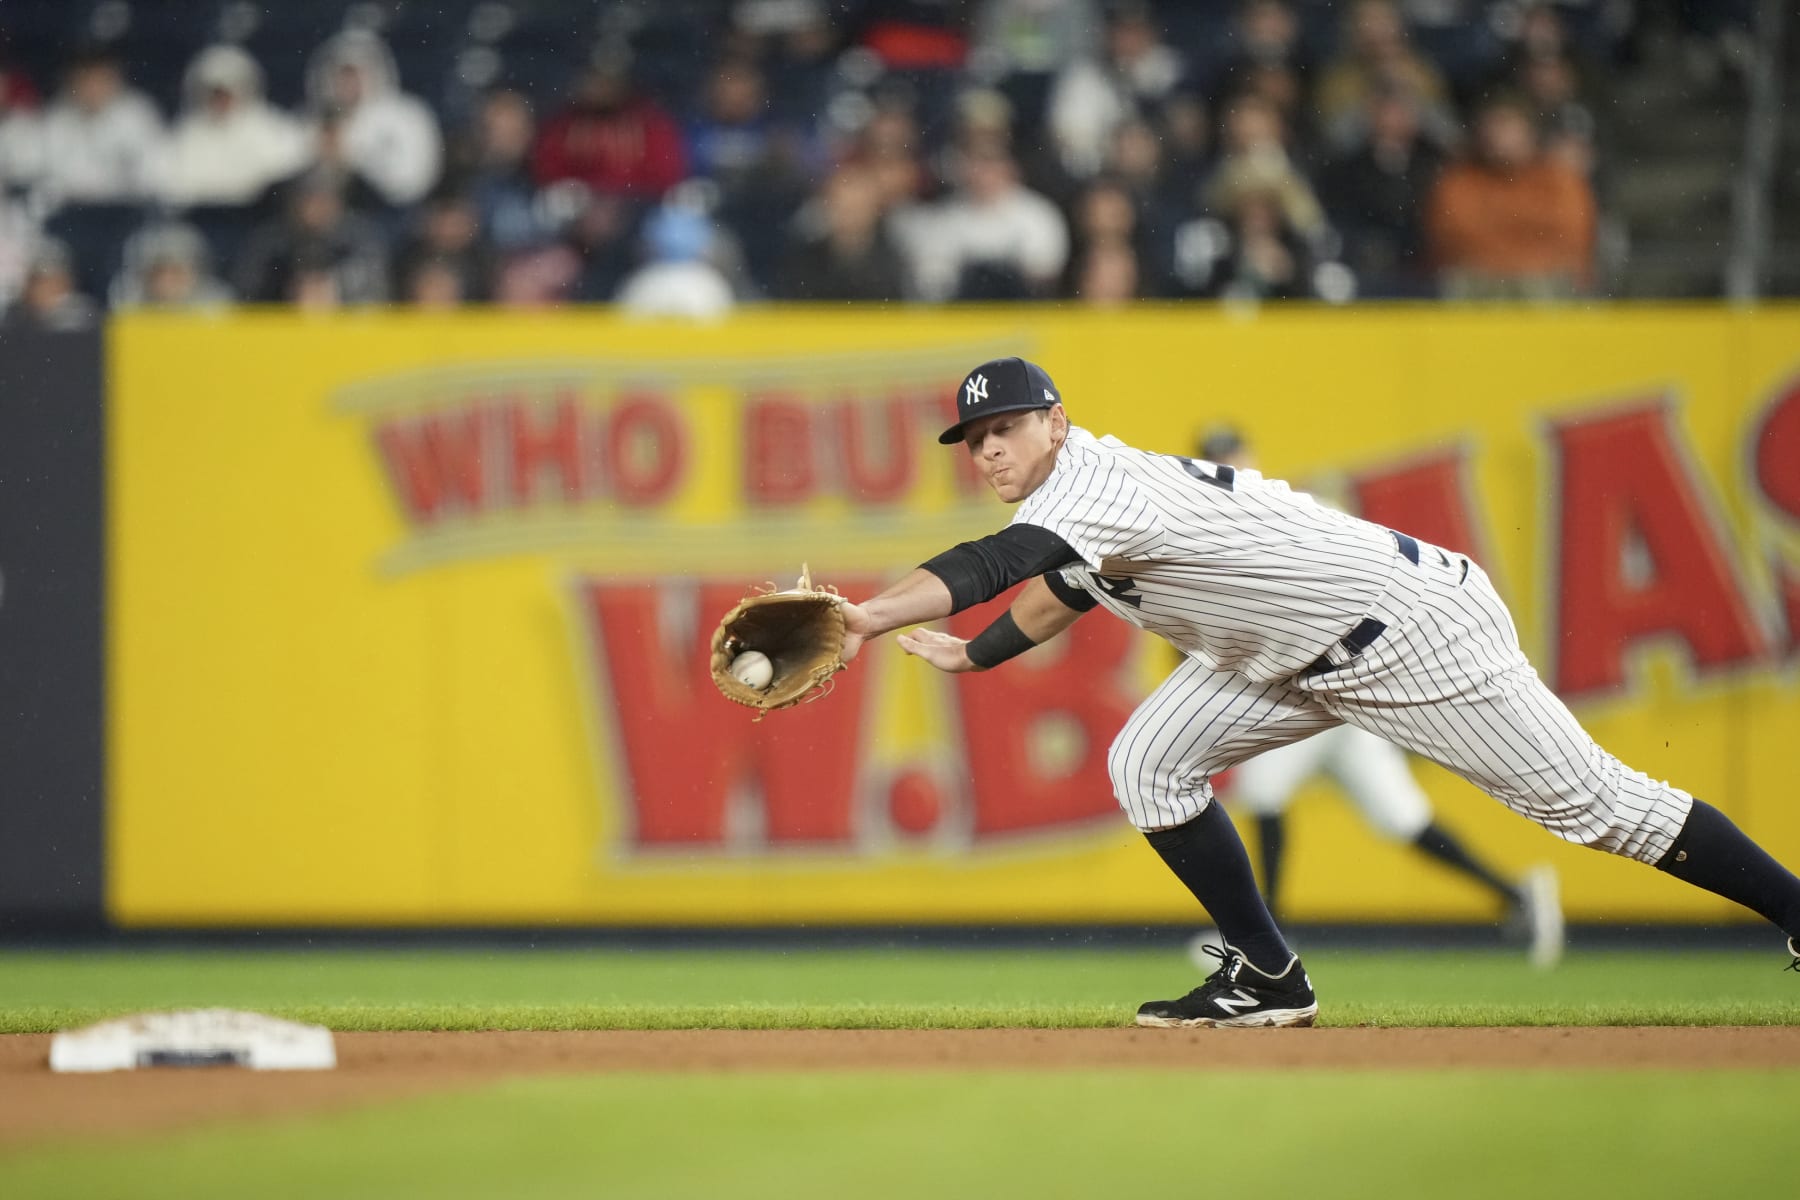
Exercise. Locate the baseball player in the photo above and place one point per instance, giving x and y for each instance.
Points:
(1294, 618)
(1375, 776)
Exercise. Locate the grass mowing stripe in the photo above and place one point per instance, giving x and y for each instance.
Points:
(606, 989)
(1043, 1134)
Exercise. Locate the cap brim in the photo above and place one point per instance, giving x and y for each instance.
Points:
(954, 434)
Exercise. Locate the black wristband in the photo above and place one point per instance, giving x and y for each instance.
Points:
(998, 642)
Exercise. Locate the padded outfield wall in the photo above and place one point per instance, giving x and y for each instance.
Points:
(407, 612)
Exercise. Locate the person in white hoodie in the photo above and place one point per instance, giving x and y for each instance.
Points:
(230, 143)
(102, 139)
(392, 139)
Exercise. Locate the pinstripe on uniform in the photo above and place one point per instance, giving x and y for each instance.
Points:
(1254, 582)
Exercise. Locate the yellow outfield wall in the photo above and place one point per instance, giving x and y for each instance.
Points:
(407, 611)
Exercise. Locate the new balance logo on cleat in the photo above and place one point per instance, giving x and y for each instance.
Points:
(1238, 996)
(1239, 1001)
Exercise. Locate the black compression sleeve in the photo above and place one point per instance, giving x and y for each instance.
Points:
(998, 642)
(1070, 596)
(982, 569)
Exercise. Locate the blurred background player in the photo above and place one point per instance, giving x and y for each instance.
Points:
(1378, 780)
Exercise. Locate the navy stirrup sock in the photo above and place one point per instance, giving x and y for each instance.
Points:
(1712, 853)
(1207, 855)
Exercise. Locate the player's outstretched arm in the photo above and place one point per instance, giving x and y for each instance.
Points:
(959, 578)
(1034, 618)
(920, 596)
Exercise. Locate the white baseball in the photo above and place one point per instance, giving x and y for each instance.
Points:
(753, 669)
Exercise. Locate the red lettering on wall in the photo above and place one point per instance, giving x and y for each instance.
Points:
(687, 752)
(1010, 718)
(1775, 452)
(778, 451)
(1787, 595)
(434, 462)
(1425, 497)
(878, 448)
(1637, 557)
(1775, 463)
(645, 450)
(546, 440)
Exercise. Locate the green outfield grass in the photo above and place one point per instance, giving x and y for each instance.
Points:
(868, 988)
(987, 1134)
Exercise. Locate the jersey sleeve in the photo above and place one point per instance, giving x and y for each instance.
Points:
(1099, 511)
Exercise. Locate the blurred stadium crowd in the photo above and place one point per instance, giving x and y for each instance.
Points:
(686, 155)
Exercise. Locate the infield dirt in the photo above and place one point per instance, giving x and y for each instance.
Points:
(37, 1105)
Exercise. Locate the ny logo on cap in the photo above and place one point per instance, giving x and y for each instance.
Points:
(977, 389)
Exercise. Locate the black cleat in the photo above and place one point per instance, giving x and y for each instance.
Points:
(1793, 949)
(1238, 996)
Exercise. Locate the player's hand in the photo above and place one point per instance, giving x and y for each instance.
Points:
(858, 628)
(942, 651)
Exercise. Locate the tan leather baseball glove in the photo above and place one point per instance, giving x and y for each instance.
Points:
(801, 630)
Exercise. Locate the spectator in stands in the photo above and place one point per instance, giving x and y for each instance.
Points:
(611, 138)
(493, 167)
(21, 134)
(839, 247)
(390, 138)
(1092, 97)
(1376, 197)
(1511, 221)
(1161, 198)
(732, 136)
(1185, 143)
(604, 233)
(1552, 87)
(759, 166)
(802, 59)
(318, 253)
(1541, 35)
(1264, 255)
(167, 265)
(1105, 211)
(435, 283)
(1255, 160)
(1106, 274)
(230, 144)
(1266, 34)
(330, 166)
(1104, 269)
(448, 237)
(888, 145)
(1378, 54)
(102, 139)
(993, 239)
(678, 281)
(48, 301)
(1280, 87)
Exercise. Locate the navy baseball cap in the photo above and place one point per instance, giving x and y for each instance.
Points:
(1003, 385)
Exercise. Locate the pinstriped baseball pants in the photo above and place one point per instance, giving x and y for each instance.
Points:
(1446, 680)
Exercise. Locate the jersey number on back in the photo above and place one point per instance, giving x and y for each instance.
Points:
(1221, 476)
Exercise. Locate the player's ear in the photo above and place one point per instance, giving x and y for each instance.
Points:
(1059, 423)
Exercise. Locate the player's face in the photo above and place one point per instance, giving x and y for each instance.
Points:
(1016, 450)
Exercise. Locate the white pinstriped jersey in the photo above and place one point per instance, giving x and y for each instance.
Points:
(1239, 572)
